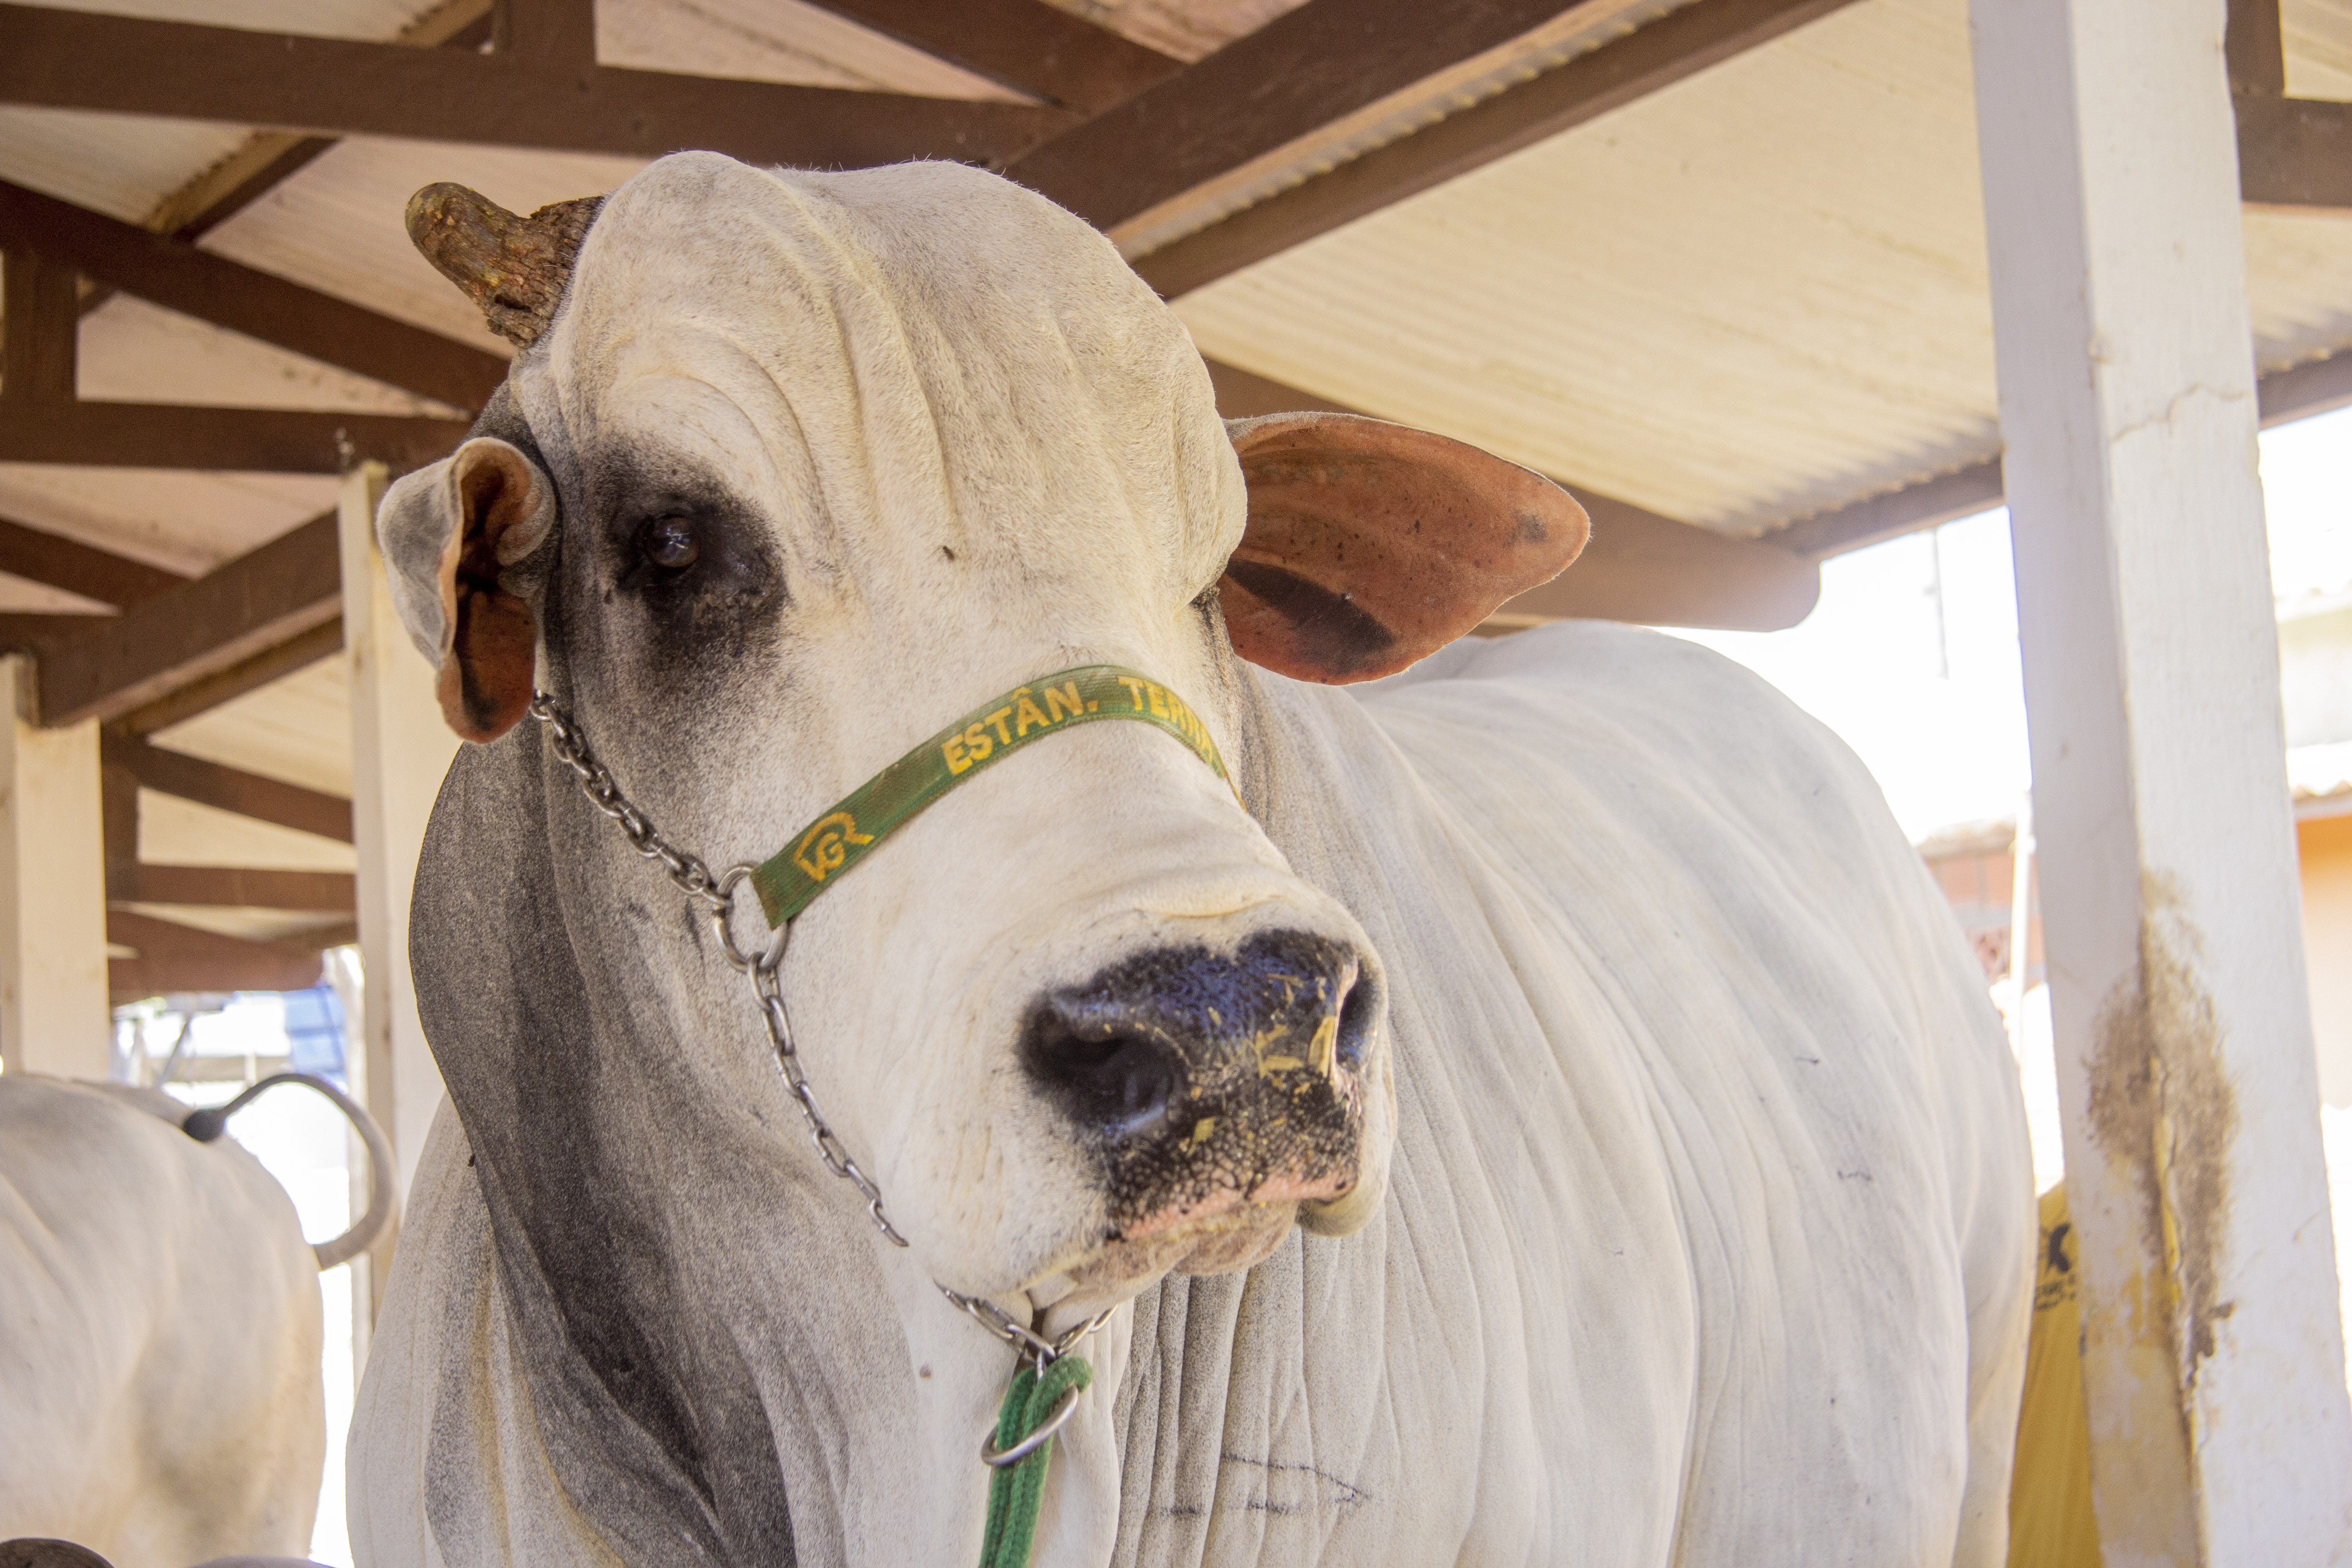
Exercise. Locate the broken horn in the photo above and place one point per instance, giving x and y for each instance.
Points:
(513, 268)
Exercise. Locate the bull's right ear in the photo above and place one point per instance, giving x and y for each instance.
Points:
(1372, 546)
(449, 533)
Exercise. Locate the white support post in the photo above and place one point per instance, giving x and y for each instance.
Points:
(2212, 1355)
(54, 1016)
(400, 749)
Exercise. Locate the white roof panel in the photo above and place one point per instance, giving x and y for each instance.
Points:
(1757, 295)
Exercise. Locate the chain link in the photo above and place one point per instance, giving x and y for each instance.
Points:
(693, 877)
(1029, 1345)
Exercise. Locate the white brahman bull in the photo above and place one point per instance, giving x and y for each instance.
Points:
(160, 1402)
(1663, 1177)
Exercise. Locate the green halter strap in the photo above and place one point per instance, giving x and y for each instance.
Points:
(820, 853)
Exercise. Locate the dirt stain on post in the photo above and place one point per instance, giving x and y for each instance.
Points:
(2163, 1112)
(2162, 1107)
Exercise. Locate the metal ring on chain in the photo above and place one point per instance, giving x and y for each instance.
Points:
(1000, 1458)
(722, 913)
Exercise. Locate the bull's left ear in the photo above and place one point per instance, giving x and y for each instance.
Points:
(448, 533)
(1372, 546)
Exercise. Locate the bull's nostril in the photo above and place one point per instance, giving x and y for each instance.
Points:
(1122, 1083)
(1356, 1015)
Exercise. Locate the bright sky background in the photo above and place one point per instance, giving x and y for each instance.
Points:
(1933, 702)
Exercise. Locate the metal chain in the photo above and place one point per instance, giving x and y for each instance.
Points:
(1028, 1345)
(693, 878)
(717, 894)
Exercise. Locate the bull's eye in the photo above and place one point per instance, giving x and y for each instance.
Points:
(668, 543)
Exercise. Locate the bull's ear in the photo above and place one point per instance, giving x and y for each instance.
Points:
(448, 533)
(1372, 546)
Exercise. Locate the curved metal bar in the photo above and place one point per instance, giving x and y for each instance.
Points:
(997, 1458)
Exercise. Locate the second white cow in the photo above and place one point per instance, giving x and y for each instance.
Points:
(160, 1402)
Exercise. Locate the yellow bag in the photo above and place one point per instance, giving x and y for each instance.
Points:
(2050, 1522)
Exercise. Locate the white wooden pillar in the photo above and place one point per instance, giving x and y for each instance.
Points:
(54, 1016)
(400, 749)
(2213, 1361)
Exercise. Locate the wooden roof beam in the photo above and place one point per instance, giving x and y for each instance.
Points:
(39, 556)
(2255, 47)
(1676, 46)
(207, 691)
(261, 601)
(40, 331)
(175, 957)
(545, 35)
(2294, 154)
(127, 65)
(1310, 67)
(239, 886)
(1028, 45)
(180, 277)
(269, 157)
(249, 440)
(224, 788)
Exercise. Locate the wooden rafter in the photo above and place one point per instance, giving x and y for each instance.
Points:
(39, 556)
(256, 603)
(1310, 67)
(71, 59)
(545, 35)
(2294, 154)
(241, 887)
(180, 277)
(260, 440)
(175, 957)
(1027, 45)
(2255, 47)
(225, 788)
(1639, 567)
(269, 157)
(32, 630)
(40, 330)
(206, 692)
(1677, 46)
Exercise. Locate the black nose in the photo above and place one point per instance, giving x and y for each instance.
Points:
(1153, 1039)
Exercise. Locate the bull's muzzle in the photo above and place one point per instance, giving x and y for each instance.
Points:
(1209, 1082)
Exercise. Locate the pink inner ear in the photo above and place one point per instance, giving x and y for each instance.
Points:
(1371, 545)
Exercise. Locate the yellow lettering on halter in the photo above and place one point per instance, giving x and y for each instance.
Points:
(997, 718)
(823, 847)
(1026, 714)
(951, 749)
(1134, 691)
(1187, 723)
(976, 742)
(1157, 698)
(1063, 696)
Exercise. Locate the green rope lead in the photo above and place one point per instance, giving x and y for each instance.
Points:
(1016, 1491)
